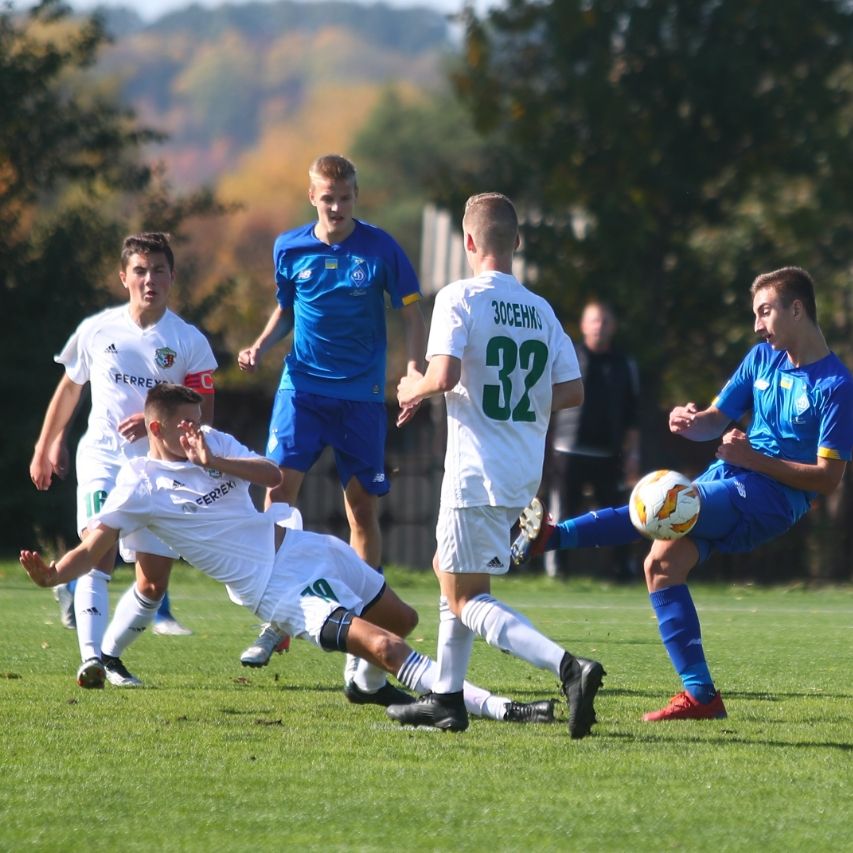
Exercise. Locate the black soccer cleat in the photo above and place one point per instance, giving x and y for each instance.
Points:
(118, 674)
(529, 712)
(386, 695)
(581, 679)
(444, 711)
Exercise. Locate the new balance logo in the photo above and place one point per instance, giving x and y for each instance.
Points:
(494, 563)
(111, 349)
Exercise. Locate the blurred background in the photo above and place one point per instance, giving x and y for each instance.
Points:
(662, 153)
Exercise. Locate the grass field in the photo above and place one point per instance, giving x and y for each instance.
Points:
(210, 756)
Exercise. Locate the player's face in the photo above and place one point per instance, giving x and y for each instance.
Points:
(773, 321)
(335, 201)
(172, 427)
(148, 280)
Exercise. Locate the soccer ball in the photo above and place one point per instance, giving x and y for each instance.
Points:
(664, 505)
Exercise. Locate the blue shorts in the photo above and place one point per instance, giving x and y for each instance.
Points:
(302, 425)
(740, 510)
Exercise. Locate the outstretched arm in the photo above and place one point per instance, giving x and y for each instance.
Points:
(72, 565)
(253, 469)
(442, 374)
(688, 422)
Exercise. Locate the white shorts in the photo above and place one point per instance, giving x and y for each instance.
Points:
(475, 539)
(97, 470)
(314, 575)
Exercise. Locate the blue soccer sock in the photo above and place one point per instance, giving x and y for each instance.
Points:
(679, 628)
(600, 527)
(164, 611)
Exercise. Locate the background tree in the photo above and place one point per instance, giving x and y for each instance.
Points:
(667, 151)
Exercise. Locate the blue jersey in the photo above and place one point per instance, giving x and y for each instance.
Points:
(798, 413)
(337, 294)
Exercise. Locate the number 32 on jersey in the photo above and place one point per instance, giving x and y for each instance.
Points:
(501, 402)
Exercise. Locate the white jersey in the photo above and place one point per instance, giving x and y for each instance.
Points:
(513, 350)
(122, 361)
(206, 516)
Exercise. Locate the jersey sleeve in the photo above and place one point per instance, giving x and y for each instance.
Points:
(735, 399)
(285, 287)
(448, 331)
(565, 360)
(224, 444)
(402, 284)
(75, 356)
(835, 439)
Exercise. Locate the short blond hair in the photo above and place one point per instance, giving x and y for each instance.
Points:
(493, 222)
(333, 167)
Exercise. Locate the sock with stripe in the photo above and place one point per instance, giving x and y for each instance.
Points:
(133, 614)
(506, 629)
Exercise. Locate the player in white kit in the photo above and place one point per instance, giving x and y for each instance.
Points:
(192, 492)
(121, 353)
(500, 357)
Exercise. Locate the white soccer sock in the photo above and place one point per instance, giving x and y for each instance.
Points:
(418, 674)
(91, 609)
(505, 629)
(133, 614)
(367, 676)
(455, 642)
(354, 668)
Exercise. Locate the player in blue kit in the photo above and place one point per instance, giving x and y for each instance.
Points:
(332, 277)
(800, 399)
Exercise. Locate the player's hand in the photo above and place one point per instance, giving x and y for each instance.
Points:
(407, 412)
(41, 471)
(682, 418)
(40, 572)
(736, 449)
(248, 359)
(194, 444)
(132, 428)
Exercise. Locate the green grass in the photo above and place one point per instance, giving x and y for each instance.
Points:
(210, 756)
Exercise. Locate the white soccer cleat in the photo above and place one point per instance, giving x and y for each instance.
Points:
(170, 628)
(269, 640)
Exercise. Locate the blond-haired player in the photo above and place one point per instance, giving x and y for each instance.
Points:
(498, 354)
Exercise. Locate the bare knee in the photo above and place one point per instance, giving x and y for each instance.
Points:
(669, 563)
(389, 651)
(408, 619)
(153, 590)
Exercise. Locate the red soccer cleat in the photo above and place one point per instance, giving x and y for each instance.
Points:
(685, 707)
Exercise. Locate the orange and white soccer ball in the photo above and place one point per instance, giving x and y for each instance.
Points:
(664, 505)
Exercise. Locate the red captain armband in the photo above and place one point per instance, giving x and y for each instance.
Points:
(200, 382)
